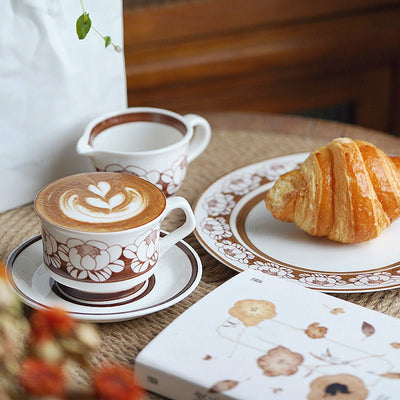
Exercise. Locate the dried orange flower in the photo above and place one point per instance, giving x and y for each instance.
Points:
(45, 324)
(116, 382)
(252, 312)
(3, 273)
(7, 297)
(8, 301)
(41, 379)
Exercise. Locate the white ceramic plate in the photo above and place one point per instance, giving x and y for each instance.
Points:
(175, 278)
(234, 225)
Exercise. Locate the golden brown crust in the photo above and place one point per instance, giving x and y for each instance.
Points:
(286, 191)
(348, 191)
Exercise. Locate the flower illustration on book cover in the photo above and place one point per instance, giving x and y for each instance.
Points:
(315, 331)
(280, 361)
(341, 386)
(289, 349)
(222, 386)
(252, 312)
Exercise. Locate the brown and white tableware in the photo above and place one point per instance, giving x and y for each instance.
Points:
(101, 234)
(177, 275)
(151, 143)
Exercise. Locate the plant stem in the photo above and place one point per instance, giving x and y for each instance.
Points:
(97, 31)
(83, 8)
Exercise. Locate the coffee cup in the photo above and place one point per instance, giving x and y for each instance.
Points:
(151, 143)
(101, 234)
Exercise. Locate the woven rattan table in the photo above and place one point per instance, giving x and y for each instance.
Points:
(238, 139)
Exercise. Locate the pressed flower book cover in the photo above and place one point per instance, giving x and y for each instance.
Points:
(261, 337)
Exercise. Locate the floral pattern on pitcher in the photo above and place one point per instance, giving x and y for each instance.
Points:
(169, 180)
(96, 261)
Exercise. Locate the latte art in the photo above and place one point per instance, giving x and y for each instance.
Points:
(100, 201)
(119, 207)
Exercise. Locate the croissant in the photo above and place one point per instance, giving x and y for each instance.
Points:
(348, 191)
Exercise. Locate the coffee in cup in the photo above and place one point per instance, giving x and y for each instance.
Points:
(100, 202)
(101, 234)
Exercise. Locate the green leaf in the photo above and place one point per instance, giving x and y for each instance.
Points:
(107, 40)
(83, 24)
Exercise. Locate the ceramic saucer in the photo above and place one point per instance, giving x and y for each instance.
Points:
(175, 278)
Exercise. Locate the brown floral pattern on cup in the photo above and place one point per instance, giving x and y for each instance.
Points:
(95, 261)
(50, 254)
(143, 254)
(169, 180)
(92, 260)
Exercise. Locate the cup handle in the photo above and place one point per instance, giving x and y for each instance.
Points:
(187, 227)
(201, 135)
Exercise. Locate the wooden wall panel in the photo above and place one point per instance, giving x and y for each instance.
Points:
(148, 25)
(316, 53)
(346, 41)
(367, 91)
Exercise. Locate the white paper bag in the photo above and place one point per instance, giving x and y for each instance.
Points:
(51, 85)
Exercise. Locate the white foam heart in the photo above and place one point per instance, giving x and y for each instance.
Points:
(116, 200)
(70, 206)
(101, 189)
(96, 202)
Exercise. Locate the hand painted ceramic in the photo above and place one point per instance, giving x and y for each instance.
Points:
(178, 275)
(234, 226)
(151, 143)
(93, 264)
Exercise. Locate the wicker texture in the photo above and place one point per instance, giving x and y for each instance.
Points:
(237, 140)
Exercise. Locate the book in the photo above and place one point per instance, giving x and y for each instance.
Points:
(261, 337)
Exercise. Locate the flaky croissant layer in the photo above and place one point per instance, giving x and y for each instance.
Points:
(348, 191)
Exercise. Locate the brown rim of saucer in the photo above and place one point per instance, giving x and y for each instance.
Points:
(87, 299)
(37, 304)
(137, 117)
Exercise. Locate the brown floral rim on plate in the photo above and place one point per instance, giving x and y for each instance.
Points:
(238, 193)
